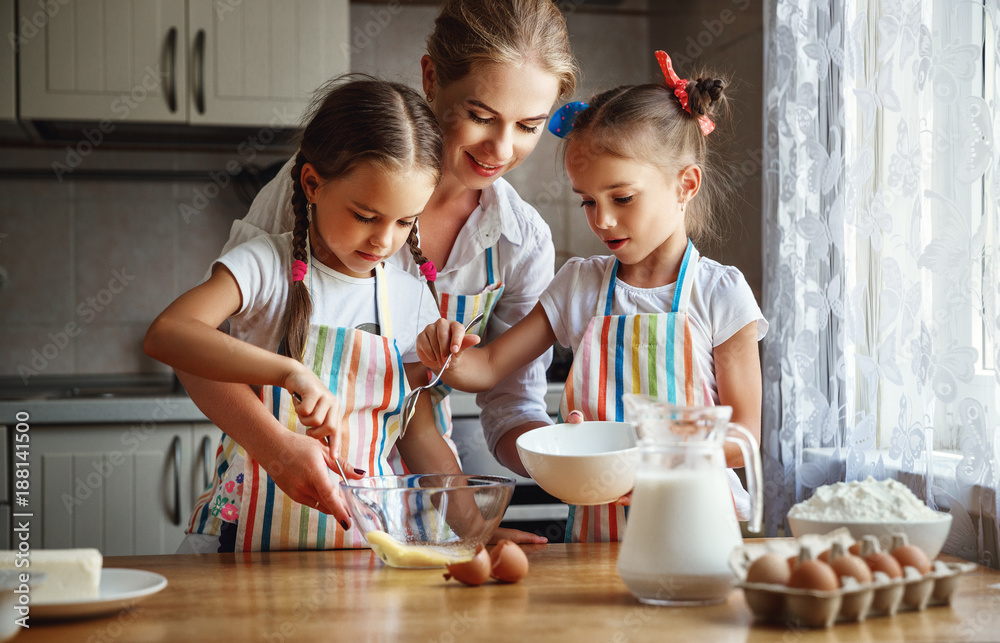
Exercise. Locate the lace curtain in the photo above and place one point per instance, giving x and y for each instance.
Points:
(880, 255)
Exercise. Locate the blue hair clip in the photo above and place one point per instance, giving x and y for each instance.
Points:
(561, 123)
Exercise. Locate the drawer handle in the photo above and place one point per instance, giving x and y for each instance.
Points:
(177, 479)
(172, 67)
(199, 66)
(206, 450)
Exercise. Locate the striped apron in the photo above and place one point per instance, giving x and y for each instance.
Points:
(365, 372)
(648, 354)
(460, 308)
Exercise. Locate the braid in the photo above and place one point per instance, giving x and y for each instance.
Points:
(299, 303)
(702, 93)
(418, 256)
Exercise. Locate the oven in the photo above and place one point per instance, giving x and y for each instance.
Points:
(530, 509)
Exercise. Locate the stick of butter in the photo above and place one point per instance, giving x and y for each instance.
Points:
(73, 574)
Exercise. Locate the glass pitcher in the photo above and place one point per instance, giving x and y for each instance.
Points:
(682, 523)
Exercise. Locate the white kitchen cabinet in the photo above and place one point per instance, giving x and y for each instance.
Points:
(259, 62)
(124, 489)
(245, 62)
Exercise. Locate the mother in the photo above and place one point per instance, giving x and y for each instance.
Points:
(492, 72)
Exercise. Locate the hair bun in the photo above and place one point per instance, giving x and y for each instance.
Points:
(704, 92)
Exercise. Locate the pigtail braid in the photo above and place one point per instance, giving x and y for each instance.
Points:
(299, 307)
(419, 258)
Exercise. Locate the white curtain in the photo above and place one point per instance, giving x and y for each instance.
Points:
(881, 254)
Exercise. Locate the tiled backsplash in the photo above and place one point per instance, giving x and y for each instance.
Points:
(85, 265)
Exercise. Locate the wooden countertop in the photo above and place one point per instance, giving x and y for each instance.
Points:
(572, 592)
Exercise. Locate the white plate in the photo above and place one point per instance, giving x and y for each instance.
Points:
(120, 589)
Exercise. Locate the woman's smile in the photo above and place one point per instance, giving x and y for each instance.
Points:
(484, 169)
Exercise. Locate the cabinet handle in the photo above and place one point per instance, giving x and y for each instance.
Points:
(177, 479)
(206, 449)
(199, 68)
(172, 69)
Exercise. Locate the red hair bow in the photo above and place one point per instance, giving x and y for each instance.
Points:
(679, 85)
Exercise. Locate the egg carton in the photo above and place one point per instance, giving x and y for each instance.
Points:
(854, 601)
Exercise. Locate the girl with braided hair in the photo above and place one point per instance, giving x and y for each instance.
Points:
(320, 321)
(492, 73)
(649, 318)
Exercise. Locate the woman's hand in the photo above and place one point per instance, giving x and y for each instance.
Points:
(301, 467)
(441, 339)
(316, 406)
(518, 536)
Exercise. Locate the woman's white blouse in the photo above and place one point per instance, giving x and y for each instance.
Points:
(527, 259)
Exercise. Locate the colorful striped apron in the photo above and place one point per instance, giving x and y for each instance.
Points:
(649, 354)
(365, 372)
(460, 308)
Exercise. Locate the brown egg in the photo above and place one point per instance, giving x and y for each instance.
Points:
(855, 548)
(910, 555)
(846, 564)
(471, 572)
(882, 562)
(814, 574)
(508, 562)
(769, 568)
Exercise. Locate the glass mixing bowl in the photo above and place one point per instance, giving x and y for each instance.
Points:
(427, 520)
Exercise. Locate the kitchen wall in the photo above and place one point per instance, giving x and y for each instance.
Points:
(85, 264)
(726, 37)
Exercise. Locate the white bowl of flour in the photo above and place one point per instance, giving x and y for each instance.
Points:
(872, 507)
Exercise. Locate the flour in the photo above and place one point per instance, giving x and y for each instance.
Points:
(865, 501)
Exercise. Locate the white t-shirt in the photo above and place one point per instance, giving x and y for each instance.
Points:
(721, 304)
(261, 267)
(527, 262)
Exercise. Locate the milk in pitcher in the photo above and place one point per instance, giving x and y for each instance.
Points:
(681, 530)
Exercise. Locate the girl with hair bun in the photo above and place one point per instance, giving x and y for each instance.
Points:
(640, 158)
(492, 74)
(321, 321)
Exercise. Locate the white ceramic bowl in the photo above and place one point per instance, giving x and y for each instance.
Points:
(929, 535)
(591, 463)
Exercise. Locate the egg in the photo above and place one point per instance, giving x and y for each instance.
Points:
(769, 568)
(814, 574)
(847, 564)
(508, 562)
(471, 572)
(882, 562)
(909, 555)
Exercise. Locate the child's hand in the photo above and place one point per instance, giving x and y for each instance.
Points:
(316, 406)
(441, 339)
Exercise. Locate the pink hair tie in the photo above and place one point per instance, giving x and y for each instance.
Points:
(299, 270)
(428, 270)
(679, 85)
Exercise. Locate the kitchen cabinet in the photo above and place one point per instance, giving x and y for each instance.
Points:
(122, 488)
(231, 62)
